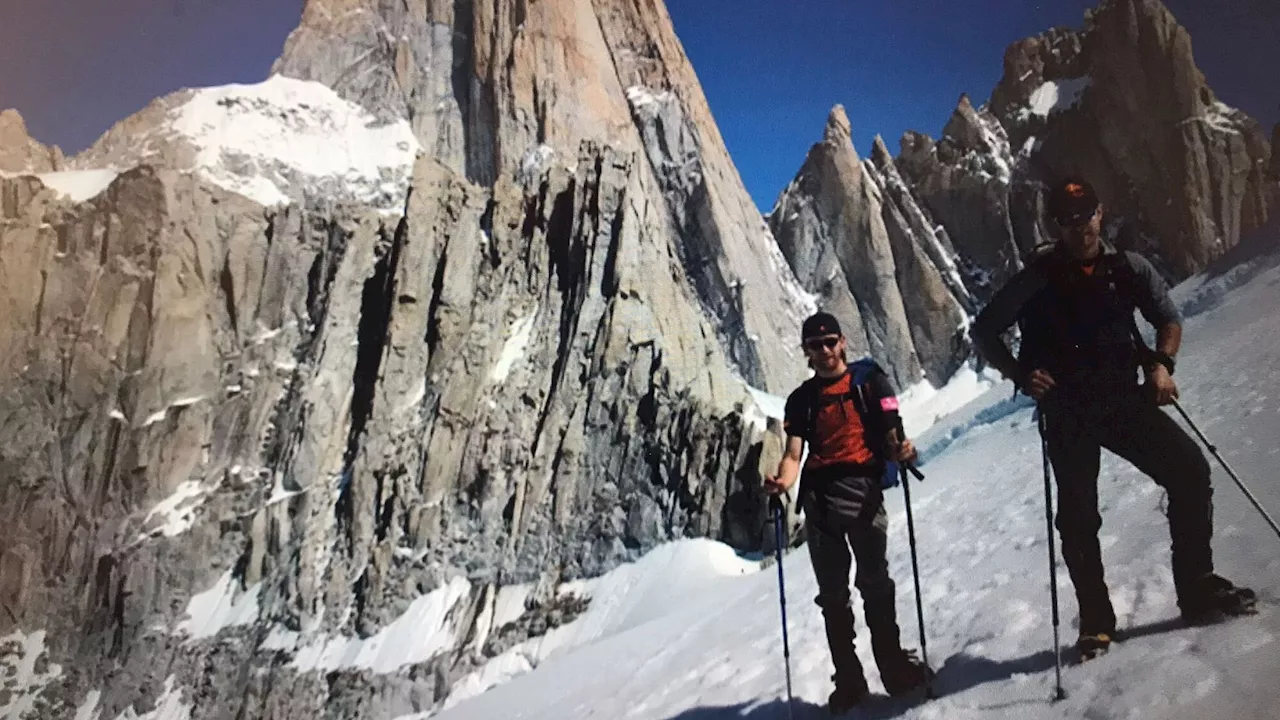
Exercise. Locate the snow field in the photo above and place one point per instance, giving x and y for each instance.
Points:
(983, 559)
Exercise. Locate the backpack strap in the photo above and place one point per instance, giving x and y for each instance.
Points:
(812, 396)
(859, 371)
(873, 423)
(1125, 280)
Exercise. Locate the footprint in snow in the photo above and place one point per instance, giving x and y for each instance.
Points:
(1025, 543)
(1200, 690)
(1021, 617)
(997, 580)
(1252, 640)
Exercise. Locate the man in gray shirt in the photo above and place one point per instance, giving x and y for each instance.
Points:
(1079, 358)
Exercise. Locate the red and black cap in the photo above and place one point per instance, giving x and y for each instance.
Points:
(819, 325)
(1072, 201)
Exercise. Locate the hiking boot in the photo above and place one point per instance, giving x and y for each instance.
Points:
(1091, 646)
(850, 691)
(904, 674)
(1213, 598)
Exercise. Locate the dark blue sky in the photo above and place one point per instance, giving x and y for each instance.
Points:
(771, 69)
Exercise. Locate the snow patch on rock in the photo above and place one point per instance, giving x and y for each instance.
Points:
(415, 637)
(262, 140)
(78, 185)
(221, 606)
(765, 406)
(518, 338)
(1221, 117)
(176, 512)
(88, 710)
(22, 676)
(276, 142)
(169, 706)
(1055, 96)
(801, 303)
(535, 161)
(642, 97)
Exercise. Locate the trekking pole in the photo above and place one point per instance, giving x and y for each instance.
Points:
(1213, 449)
(776, 505)
(915, 568)
(1059, 694)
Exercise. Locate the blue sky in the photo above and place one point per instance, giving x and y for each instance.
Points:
(771, 69)
(772, 72)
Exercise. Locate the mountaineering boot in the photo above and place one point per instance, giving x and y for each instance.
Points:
(850, 691)
(1091, 646)
(902, 672)
(1212, 598)
(851, 683)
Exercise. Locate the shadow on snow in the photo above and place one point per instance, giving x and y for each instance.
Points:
(878, 707)
(958, 673)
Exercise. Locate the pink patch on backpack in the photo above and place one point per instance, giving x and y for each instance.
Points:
(889, 403)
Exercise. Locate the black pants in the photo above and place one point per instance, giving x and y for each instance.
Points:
(834, 525)
(1133, 427)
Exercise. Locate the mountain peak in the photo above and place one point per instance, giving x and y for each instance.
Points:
(880, 154)
(838, 127)
(275, 141)
(19, 152)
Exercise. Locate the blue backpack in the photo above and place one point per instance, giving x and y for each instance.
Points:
(861, 371)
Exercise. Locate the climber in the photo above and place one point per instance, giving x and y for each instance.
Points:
(848, 416)
(1079, 359)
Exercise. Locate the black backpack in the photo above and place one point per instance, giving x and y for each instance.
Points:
(1121, 279)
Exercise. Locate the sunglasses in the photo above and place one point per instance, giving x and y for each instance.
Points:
(1076, 221)
(818, 343)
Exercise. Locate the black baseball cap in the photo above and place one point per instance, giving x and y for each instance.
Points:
(818, 325)
(1072, 201)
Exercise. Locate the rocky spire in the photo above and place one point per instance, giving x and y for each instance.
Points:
(1123, 102)
(830, 223)
(19, 152)
(962, 181)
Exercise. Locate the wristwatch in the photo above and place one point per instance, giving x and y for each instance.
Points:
(1159, 358)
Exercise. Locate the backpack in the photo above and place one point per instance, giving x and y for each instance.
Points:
(1121, 279)
(873, 423)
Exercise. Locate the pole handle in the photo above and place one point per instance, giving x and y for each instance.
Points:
(908, 466)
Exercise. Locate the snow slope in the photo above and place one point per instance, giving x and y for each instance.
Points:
(981, 534)
(659, 586)
(75, 185)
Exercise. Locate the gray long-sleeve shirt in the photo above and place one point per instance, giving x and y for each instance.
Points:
(1075, 325)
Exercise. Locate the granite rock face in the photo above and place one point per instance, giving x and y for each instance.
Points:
(320, 418)
(494, 89)
(304, 451)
